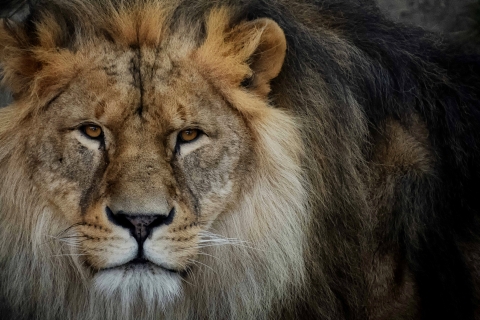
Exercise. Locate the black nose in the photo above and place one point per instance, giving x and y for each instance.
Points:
(140, 225)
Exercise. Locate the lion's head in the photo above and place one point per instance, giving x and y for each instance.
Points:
(141, 171)
(254, 159)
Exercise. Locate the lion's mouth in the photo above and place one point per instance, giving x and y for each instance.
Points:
(139, 275)
(141, 264)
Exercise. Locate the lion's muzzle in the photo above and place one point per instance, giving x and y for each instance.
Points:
(140, 225)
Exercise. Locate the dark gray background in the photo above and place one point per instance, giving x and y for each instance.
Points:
(449, 16)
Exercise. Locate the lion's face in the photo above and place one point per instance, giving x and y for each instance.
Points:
(140, 155)
(155, 170)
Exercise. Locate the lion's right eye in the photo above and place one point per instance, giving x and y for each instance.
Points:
(92, 131)
(188, 135)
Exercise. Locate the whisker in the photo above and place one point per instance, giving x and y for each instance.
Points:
(68, 255)
(69, 228)
(229, 243)
(223, 240)
(184, 280)
(201, 264)
(208, 255)
(190, 274)
(209, 239)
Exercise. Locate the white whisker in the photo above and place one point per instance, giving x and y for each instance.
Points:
(69, 255)
(201, 264)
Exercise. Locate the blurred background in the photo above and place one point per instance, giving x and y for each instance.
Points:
(457, 18)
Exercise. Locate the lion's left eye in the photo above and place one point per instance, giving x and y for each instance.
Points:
(189, 135)
(92, 131)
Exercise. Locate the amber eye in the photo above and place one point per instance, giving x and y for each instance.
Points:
(92, 131)
(189, 135)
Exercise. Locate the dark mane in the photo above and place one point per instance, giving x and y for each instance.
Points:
(394, 73)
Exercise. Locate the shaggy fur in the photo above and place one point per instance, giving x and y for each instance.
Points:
(353, 163)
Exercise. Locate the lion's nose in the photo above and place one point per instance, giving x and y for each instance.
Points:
(140, 225)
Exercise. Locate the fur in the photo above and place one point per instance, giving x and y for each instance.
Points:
(358, 197)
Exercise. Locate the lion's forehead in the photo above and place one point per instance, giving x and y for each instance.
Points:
(168, 93)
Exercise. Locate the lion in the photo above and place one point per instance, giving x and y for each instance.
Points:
(265, 159)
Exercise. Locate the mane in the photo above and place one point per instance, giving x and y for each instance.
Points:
(347, 73)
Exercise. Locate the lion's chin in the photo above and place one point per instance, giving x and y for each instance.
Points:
(133, 283)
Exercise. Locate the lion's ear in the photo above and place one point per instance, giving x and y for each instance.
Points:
(22, 44)
(264, 47)
(33, 65)
(248, 54)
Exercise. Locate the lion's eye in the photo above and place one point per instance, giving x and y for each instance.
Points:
(188, 135)
(92, 131)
